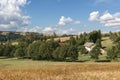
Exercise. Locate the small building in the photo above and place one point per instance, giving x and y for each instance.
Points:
(89, 46)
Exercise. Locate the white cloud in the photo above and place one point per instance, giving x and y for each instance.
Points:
(48, 29)
(94, 16)
(106, 16)
(107, 19)
(63, 21)
(11, 16)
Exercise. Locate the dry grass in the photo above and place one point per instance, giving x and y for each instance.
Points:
(64, 71)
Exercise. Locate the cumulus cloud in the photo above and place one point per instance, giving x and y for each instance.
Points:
(106, 16)
(63, 20)
(94, 16)
(107, 19)
(11, 16)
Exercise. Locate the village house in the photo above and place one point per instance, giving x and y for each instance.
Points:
(90, 45)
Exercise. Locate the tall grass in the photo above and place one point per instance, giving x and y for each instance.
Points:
(76, 71)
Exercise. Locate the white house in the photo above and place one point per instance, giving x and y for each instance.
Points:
(89, 46)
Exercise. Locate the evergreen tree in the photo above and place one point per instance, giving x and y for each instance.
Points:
(60, 53)
(72, 41)
(114, 52)
(33, 50)
(19, 52)
(98, 43)
(7, 49)
(1, 49)
(72, 52)
(82, 49)
(95, 52)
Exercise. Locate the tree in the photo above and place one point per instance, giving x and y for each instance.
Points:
(21, 49)
(19, 52)
(114, 52)
(33, 50)
(72, 52)
(45, 51)
(1, 49)
(60, 53)
(82, 49)
(72, 41)
(94, 36)
(98, 43)
(56, 54)
(7, 49)
(53, 44)
(95, 52)
(111, 53)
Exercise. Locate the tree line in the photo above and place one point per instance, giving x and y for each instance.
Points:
(38, 47)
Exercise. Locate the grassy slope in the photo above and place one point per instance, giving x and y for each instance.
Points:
(42, 70)
(107, 43)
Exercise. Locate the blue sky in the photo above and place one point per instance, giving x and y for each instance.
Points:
(60, 16)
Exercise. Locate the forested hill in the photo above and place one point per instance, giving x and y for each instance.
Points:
(43, 47)
(10, 36)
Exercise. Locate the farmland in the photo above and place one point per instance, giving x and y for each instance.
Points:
(13, 69)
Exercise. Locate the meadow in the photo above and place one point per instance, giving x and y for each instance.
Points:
(13, 69)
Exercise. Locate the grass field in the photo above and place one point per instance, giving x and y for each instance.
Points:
(11, 69)
(107, 43)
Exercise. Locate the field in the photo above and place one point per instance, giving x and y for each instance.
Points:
(107, 43)
(13, 69)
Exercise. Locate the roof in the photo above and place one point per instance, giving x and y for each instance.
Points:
(89, 44)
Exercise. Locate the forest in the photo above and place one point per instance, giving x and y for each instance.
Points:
(38, 46)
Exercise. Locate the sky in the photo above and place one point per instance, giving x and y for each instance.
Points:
(60, 16)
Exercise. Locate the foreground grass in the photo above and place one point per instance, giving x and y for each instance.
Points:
(44, 70)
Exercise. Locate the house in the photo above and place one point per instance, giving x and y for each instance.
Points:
(89, 46)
